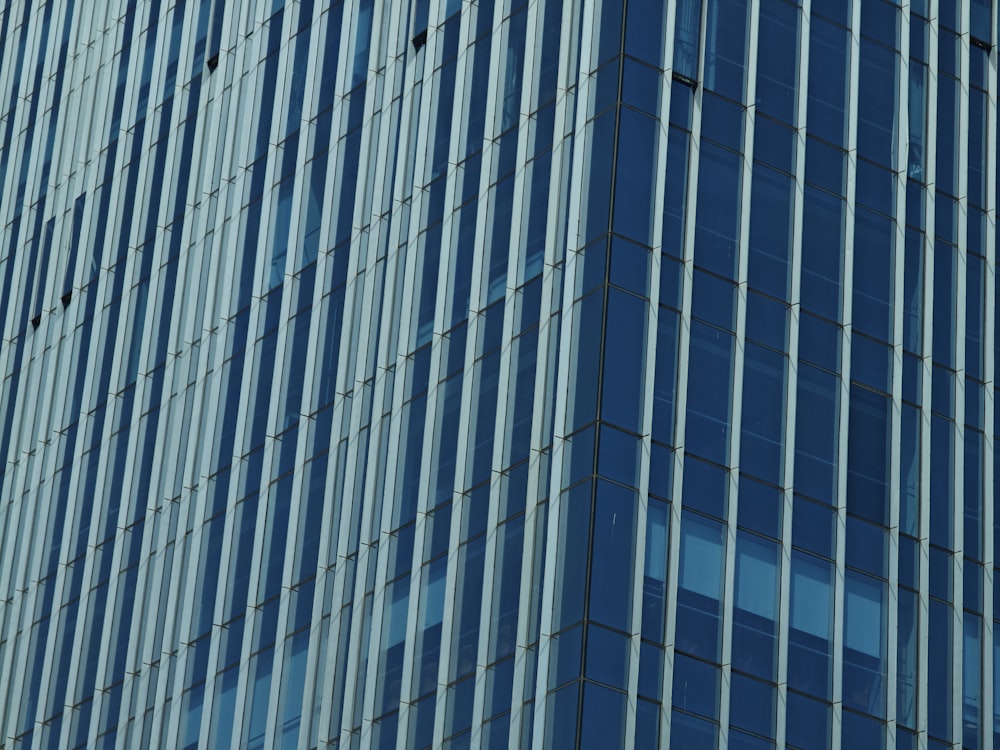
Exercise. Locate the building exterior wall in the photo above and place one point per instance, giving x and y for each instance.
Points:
(545, 374)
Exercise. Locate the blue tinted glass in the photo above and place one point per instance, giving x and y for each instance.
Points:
(810, 659)
(623, 360)
(714, 300)
(770, 231)
(696, 686)
(603, 717)
(828, 64)
(687, 45)
(877, 110)
(607, 657)
(778, 59)
(808, 722)
(940, 668)
(752, 704)
(690, 731)
(868, 451)
(641, 86)
(762, 446)
(629, 266)
(755, 611)
(767, 321)
(717, 225)
(706, 487)
(874, 237)
(822, 252)
(634, 174)
(760, 507)
(702, 555)
(816, 442)
(865, 644)
(611, 558)
(722, 121)
(725, 47)
(644, 26)
(665, 377)
(708, 412)
(813, 527)
(675, 193)
(654, 582)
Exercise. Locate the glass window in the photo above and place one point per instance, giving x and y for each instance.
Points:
(868, 449)
(687, 42)
(603, 717)
(696, 687)
(864, 644)
(665, 377)
(752, 705)
(717, 226)
(624, 360)
(808, 722)
(822, 252)
(762, 448)
(725, 47)
(877, 108)
(874, 238)
(972, 668)
(701, 559)
(816, 433)
(939, 671)
(778, 59)
(709, 394)
(612, 555)
(675, 193)
(906, 659)
(755, 607)
(770, 230)
(654, 582)
(828, 66)
(644, 22)
(810, 658)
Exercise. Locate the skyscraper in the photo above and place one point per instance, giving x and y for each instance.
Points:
(563, 373)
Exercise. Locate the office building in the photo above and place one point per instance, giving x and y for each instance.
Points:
(509, 373)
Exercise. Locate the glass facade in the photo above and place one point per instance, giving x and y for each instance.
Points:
(509, 373)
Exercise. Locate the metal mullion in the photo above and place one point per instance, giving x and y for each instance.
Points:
(433, 53)
(266, 491)
(847, 305)
(438, 355)
(547, 331)
(505, 376)
(231, 159)
(164, 442)
(345, 421)
(316, 655)
(471, 377)
(89, 571)
(385, 195)
(139, 639)
(738, 371)
(364, 251)
(895, 463)
(926, 375)
(181, 458)
(958, 455)
(272, 731)
(96, 346)
(791, 392)
(989, 687)
(572, 105)
(680, 407)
